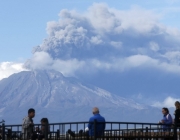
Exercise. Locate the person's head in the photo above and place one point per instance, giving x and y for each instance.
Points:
(31, 113)
(95, 110)
(177, 104)
(37, 128)
(165, 110)
(44, 121)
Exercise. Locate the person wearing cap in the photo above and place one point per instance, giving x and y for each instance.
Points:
(100, 123)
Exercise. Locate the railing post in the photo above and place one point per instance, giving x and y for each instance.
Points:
(46, 131)
(3, 130)
(95, 123)
(58, 133)
(175, 131)
(147, 133)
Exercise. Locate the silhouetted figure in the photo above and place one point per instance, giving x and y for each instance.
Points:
(0, 132)
(45, 129)
(28, 125)
(177, 114)
(36, 132)
(71, 133)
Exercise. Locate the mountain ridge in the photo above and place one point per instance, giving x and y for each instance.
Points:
(54, 95)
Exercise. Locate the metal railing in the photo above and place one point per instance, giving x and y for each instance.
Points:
(112, 131)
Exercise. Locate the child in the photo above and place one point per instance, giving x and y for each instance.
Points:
(44, 129)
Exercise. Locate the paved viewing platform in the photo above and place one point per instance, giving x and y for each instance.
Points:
(113, 131)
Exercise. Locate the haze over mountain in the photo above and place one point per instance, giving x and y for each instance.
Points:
(63, 99)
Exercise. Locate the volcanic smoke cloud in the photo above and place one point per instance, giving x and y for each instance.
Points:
(103, 38)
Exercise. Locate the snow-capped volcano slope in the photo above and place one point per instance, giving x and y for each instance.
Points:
(62, 99)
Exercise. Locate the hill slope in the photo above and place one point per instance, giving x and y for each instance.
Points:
(64, 99)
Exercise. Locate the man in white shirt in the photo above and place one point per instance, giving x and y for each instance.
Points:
(28, 125)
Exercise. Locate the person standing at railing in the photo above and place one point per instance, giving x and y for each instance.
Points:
(28, 125)
(177, 114)
(45, 129)
(0, 132)
(100, 123)
(167, 120)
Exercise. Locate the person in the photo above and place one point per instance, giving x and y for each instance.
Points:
(36, 132)
(0, 132)
(28, 125)
(167, 120)
(177, 114)
(45, 129)
(100, 123)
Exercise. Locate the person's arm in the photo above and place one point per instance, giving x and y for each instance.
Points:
(104, 125)
(26, 123)
(176, 116)
(90, 123)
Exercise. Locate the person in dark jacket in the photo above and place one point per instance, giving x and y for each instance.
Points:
(0, 132)
(177, 114)
(45, 129)
(167, 120)
(100, 123)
